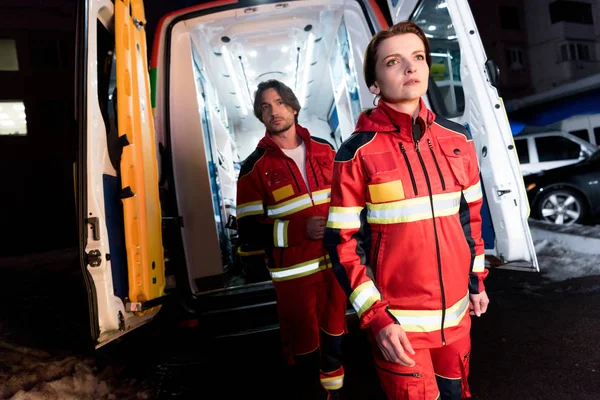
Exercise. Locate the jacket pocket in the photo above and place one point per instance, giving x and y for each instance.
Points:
(379, 163)
(325, 165)
(456, 152)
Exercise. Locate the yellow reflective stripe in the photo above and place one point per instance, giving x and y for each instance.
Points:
(479, 263)
(321, 196)
(333, 383)
(364, 296)
(344, 217)
(251, 208)
(280, 232)
(473, 193)
(299, 270)
(431, 320)
(413, 209)
(289, 207)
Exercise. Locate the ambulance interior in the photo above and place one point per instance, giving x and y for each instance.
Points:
(316, 48)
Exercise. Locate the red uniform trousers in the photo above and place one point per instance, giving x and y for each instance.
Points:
(312, 316)
(439, 373)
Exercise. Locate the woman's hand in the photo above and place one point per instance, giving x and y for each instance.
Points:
(394, 345)
(479, 303)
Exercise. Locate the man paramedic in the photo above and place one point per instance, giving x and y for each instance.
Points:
(283, 197)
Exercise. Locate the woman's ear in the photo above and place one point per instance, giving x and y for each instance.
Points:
(374, 89)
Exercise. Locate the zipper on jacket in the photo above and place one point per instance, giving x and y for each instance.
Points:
(437, 165)
(376, 255)
(437, 243)
(410, 171)
(313, 170)
(293, 175)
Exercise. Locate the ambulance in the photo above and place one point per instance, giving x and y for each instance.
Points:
(163, 132)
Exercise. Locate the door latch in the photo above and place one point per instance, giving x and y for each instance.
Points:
(94, 258)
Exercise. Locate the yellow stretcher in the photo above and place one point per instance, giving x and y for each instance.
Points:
(139, 169)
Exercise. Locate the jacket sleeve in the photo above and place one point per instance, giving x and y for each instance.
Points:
(470, 217)
(345, 236)
(256, 230)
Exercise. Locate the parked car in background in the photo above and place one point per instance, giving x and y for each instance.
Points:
(566, 195)
(586, 127)
(540, 150)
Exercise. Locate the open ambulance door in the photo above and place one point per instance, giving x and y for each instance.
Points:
(117, 182)
(460, 89)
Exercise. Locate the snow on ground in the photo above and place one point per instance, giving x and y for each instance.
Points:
(42, 331)
(32, 374)
(557, 263)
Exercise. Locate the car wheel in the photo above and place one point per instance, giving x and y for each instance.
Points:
(561, 207)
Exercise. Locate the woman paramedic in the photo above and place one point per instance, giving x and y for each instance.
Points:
(404, 227)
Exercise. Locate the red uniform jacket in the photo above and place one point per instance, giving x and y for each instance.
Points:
(404, 227)
(273, 203)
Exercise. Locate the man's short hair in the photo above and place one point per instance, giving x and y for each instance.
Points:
(287, 95)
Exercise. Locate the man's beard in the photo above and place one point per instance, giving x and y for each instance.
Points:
(284, 128)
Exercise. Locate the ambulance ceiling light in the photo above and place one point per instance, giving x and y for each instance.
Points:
(432, 27)
(310, 44)
(442, 4)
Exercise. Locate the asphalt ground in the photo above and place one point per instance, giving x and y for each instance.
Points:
(538, 340)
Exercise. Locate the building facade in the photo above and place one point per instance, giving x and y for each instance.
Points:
(38, 135)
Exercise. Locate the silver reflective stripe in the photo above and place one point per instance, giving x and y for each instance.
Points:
(479, 263)
(333, 383)
(473, 193)
(276, 211)
(409, 210)
(344, 217)
(280, 234)
(295, 271)
(250, 209)
(322, 196)
(365, 295)
(433, 321)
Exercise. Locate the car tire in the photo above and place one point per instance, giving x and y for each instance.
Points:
(561, 207)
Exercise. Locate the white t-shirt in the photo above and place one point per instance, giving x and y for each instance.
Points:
(299, 156)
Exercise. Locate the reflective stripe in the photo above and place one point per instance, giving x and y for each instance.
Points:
(413, 209)
(479, 263)
(280, 232)
(289, 207)
(246, 209)
(364, 296)
(299, 270)
(299, 203)
(431, 320)
(344, 217)
(333, 383)
(322, 196)
(473, 193)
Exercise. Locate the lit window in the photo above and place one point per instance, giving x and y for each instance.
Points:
(8, 55)
(12, 118)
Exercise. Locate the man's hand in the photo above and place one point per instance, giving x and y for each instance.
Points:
(479, 303)
(315, 228)
(394, 345)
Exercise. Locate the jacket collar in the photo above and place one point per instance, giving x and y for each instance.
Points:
(385, 119)
(268, 143)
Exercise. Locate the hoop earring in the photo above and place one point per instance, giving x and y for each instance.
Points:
(376, 99)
